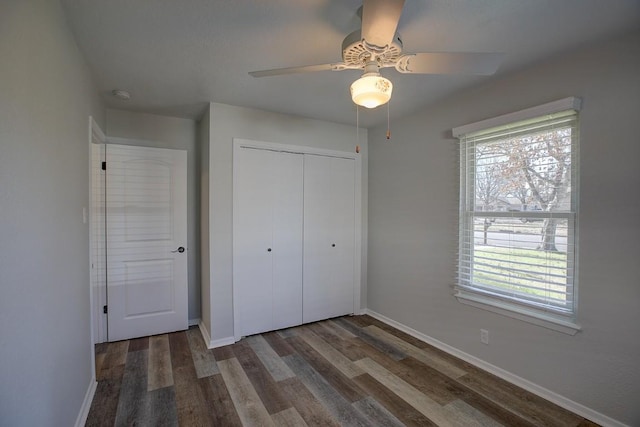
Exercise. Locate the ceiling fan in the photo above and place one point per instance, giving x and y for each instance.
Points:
(377, 45)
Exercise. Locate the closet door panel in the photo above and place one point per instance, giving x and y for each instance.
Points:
(287, 173)
(253, 219)
(329, 237)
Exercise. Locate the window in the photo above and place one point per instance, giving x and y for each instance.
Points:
(518, 213)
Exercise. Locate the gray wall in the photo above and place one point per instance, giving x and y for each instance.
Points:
(169, 132)
(47, 97)
(203, 173)
(413, 212)
(228, 122)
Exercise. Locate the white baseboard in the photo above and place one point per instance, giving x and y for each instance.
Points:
(86, 404)
(534, 388)
(222, 342)
(194, 322)
(205, 334)
(214, 343)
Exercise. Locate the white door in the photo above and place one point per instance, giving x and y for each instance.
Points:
(329, 237)
(267, 240)
(146, 241)
(287, 240)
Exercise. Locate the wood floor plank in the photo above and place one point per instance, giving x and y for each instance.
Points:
(365, 336)
(162, 407)
(133, 403)
(223, 353)
(406, 391)
(220, 404)
(359, 321)
(116, 355)
(392, 402)
(328, 334)
(278, 344)
(345, 346)
(288, 418)
(263, 383)
(138, 344)
(336, 329)
(99, 361)
(101, 348)
(493, 409)
(337, 359)
(245, 398)
(587, 423)
(469, 416)
(269, 358)
(428, 380)
(287, 333)
(461, 364)
(374, 411)
(203, 358)
(445, 390)
(373, 353)
(309, 408)
(415, 352)
(398, 333)
(160, 373)
(105, 403)
(527, 405)
(333, 401)
(330, 373)
(191, 405)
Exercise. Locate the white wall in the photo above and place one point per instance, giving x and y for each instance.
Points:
(46, 98)
(228, 122)
(168, 132)
(413, 205)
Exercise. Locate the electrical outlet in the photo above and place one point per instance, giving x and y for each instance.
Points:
(484, 336)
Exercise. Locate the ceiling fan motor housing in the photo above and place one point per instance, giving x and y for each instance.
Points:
(356, 52)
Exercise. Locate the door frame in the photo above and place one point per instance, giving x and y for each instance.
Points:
(240, 143)
(97, 141)
(99, 297)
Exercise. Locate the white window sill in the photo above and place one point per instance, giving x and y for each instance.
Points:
(517, 312)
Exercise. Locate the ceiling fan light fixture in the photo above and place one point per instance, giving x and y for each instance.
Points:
(371, 90)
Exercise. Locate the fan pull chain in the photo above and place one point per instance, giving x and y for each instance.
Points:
(388, 121)
(357, 129)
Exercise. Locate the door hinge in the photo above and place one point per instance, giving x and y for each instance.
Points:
(104, 309)
(104, 166)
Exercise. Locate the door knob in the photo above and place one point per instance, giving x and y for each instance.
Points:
(333, 245)
(269, 250)
(180, 249)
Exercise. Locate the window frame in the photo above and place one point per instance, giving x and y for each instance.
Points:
(493, 301)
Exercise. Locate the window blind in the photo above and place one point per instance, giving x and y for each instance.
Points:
(518, 211)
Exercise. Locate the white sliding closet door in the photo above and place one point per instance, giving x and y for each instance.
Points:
(329, 237)
(287, 240)
(267, 247)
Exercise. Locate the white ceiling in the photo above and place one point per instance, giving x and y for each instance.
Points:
(175, 56)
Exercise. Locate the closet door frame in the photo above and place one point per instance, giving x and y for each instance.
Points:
(238, 144)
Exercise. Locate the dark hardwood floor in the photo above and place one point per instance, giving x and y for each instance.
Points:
(350, 371)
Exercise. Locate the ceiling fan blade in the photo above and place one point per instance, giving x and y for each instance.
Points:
(481, 64)
(380, 20)
(293, 70)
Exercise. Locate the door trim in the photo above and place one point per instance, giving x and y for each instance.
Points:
(99, 321)
(97, 141)
(239, 143)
